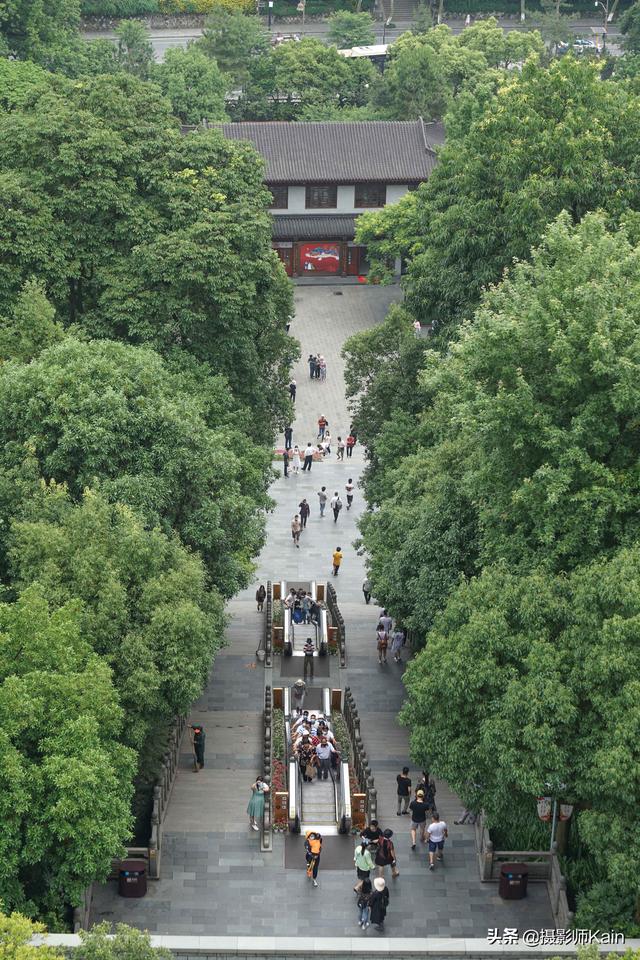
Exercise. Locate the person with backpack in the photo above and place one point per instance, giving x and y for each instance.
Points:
(386, 855)
(363, 904)
(313, 849)
(364, 863)
(336, 506)
(382, 642)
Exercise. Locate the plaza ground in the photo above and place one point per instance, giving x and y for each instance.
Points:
(214, 878)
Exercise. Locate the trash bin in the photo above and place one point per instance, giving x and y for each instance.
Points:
(132, 878)
(513, 881)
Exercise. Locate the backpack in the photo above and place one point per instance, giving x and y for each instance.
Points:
(338, 505)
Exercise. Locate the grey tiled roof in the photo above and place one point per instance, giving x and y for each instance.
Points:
(313, 227)
(389, 151)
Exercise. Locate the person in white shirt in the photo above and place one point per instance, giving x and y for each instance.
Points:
(308, 458)
(437, 833)
(349, 487)
(323, 752)
(386, 621)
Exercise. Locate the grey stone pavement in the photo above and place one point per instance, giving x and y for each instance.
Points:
(214, 878)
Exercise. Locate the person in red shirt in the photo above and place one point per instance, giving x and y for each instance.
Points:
(351, 442)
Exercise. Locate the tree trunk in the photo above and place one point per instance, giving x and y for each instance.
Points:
(440, 10)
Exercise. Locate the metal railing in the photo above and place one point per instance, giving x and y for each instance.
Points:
(295, 797)
(343, 799)
(268, 629)
(337, 620)
(361, 765)
(265, 832)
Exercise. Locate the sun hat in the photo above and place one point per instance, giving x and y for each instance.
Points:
(379, 884)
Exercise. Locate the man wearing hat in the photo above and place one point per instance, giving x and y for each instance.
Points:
(419, 810)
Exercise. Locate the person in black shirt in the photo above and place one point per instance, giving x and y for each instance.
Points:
(197, 745)
(404, 791)
(372, 833)
(418, 818)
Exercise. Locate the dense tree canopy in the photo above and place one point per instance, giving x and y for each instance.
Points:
(116, 414)
(506, 537)
(66, 781)
(194, 84)
(348, 29)
(146, 607)
(550, 139)
(145, 235)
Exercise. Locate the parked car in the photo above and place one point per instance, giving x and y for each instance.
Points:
(579, 45)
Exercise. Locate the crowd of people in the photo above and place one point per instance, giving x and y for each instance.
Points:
(314, 747)
(387, 635)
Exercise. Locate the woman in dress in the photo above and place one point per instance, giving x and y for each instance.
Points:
(327, 441)
(382, 638)
(396, 644)
(256, 804)
(295, 462)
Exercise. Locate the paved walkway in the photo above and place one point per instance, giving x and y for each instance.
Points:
(214, 878)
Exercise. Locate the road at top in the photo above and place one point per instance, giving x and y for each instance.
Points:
(166, 39)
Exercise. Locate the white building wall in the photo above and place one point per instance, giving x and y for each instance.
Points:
(346, 199)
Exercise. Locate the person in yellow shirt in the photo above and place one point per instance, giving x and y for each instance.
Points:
(337, 560)
(313, 848)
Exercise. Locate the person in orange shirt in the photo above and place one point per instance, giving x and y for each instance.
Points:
(337, 560)
(313, 848)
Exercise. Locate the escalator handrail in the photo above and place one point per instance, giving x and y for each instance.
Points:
(295, 797)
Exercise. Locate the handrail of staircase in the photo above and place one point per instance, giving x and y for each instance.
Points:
(288, 632)
(343, 787)
(324, 632)
(295, 797)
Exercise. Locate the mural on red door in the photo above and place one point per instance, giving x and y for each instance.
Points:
(320, 257)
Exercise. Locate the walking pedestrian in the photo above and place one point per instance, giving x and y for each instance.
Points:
(349, 487)
(385, 620)
(261, 594)
(350, 443)
(308, 458)
(313, 849)
(308, 650)
(305, 510)
(327, 442)
(322, 497)
(340, 449)
(323, 753)
(397, 639)
(386, 855)
(312, 365)
(322, 363)
(363, 862)
(337, 560)
(382, 642)
(417, 328)
(418, 818)
(296, 528)
(256, 804)
(295, 460)
(292, 389)
(437, 832)
(288, 437)
(197, 736)
(306, 607)
(317, 373)
(336, 506)
(285, 462)
(404, 791)
(366, 589)
(323, 423)
(364, 898)
(379, 903)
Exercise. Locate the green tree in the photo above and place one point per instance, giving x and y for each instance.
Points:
(37, 30)
(537, 684)
(497, 186)
(145, 235)
(348, 29)
(31, 327)
(555, 24)
(414, 85)
(234, 40)
(146, 605)
(126, 943)
(115, 414)
(66, 781)
(543, 386)
(135, 50)
(630, 27)
(16, 932)
(194, 85)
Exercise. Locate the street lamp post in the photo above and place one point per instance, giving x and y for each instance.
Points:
(270, 7)
(605, 9)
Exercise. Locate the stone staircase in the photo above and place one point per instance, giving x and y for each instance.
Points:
(319, 807)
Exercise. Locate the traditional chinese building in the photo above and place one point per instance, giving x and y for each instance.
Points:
(322, 176)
